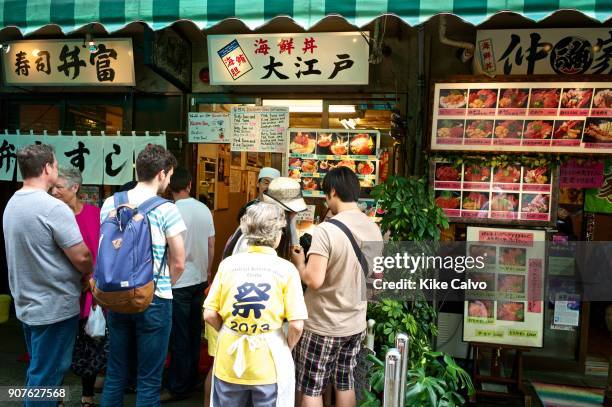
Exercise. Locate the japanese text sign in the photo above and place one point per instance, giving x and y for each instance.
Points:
(69, 63)
(563, 51)
(105, 160)
(284, 59)
(207, 127)
(259, 128)
(576, 174)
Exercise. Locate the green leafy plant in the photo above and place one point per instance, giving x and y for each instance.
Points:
(433, 378)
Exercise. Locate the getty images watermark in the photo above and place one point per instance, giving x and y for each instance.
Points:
(505, 271)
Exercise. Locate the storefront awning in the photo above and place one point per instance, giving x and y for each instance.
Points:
(70, 15)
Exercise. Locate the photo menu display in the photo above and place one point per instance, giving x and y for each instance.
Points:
(512, 192)
(544, 116)
(313, 152)
(510, 310)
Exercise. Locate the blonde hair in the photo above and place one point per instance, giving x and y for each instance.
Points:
(263, 224)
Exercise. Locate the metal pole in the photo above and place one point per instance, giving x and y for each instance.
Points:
(401, 343)
(370, 335)
(392, 378)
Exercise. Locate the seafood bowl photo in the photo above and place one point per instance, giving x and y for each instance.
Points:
(502, 202)
(302, 143)
(511, 283)
(366, 168)
(446, 172)
(488, 252)
(295, 162)
(480, 308)
(325, 140)
(487, 278)
(482, 98)
(544, 98)
(535, 203)
(538, 129)
(339, 145)
(475, 201)
(603, 99)
(479, 129)
(576, 98)
(450, 129)
(513, 256)
(539, 175)
(453, 98)
(324, 166)
(568, 129)
(598, 131)
(513, 98)
(448, 199)
(476, 173)
(310, 184)
(511, 311)
(507, 175)
(362, 144)
(309, 166)
(509, 129)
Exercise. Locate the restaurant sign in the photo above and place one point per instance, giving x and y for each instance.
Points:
(109, 62)
(562, 51)
(289, 59)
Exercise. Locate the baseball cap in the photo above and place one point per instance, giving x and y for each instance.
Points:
(287, 193)
(268, 172)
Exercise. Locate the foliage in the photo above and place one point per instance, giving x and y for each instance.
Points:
(434, 378)
(411, 213)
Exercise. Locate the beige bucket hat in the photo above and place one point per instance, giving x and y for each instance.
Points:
(287, 193)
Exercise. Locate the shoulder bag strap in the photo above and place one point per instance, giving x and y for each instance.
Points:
(360, 256)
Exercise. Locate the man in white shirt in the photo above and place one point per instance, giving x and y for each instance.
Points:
(188, 292)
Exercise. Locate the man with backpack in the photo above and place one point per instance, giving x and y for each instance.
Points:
(334, 274)
(47, 261)
(134, 280)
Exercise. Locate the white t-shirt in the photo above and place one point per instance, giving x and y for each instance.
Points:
(200, 227)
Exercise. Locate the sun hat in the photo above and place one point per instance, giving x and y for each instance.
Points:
(268, 172)
(287, 193)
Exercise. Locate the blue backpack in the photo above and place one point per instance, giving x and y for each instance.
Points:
(123, 279)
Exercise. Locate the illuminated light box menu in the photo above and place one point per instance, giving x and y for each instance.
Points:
(573, 117)
(478, 193)
(510, 310)
(313, 152)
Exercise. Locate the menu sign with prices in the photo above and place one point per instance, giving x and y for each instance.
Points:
(510, 310)
(313, 152)
(259, 128)
(509, 194)
(205, 127)
(563, 117)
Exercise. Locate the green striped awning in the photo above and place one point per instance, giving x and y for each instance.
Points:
(69, 15)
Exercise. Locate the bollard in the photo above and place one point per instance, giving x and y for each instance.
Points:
(370, 335)
(401, 343)
(392, 378)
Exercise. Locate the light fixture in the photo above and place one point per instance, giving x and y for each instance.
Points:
(35, 52)
(91, 43)
(308, 105)
(6, 47)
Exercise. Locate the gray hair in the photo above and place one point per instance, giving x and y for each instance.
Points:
(262, 224)
(71, 175)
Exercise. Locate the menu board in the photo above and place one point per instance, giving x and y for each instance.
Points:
(313, 152)
(510, 310)
(574, 117)
(471, 192)
(206, 127)
(259, 128)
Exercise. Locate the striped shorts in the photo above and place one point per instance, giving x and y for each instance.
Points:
(321, 358)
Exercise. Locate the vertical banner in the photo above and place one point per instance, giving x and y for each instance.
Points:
(118, 160)
(93, 165)
(8, 156)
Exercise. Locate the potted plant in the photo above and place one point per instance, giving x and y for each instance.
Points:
(433, 378)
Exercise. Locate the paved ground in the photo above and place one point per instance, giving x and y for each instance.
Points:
(12, 372)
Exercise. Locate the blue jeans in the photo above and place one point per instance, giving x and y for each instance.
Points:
(185, 339)
(50, 348)
(148, 333)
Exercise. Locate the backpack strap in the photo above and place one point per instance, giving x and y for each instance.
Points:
(360, 256)
(150, 204)
(120, 198)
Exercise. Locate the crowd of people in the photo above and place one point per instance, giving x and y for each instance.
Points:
(283, 322)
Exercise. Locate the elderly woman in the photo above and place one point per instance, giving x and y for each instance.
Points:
(251, 296)
(89, 357)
